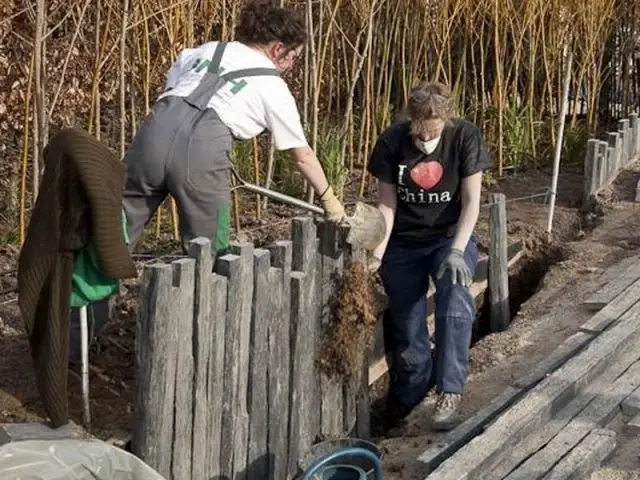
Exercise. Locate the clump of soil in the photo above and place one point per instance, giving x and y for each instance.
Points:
(351, 331)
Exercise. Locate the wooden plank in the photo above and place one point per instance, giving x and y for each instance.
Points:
(566, 350)
(157, 339)
(520, 451)
(589, 183)
(182, 307)
(637, 197)
(200, 251)
(332, 406)
(633, 426)
(541, 403)
(230, 267)
(595, 415)
(500, 316)
(613, 310)
(245, 296)
(216, 373)
(303, 395)
(433, 456)
(594, 450)
(279, 358)
(613, 288)
(631, 404)
(258, 455)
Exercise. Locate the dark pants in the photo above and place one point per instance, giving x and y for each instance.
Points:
(405, 272)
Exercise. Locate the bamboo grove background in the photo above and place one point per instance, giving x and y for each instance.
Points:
(100, 64)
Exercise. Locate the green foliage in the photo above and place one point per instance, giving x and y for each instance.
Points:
(574, 143)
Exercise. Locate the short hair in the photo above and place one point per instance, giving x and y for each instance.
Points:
(263, 21)
(430, 100)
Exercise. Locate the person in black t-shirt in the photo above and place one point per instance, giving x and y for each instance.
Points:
(429, 172)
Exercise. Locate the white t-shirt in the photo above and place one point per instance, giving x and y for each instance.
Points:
(246, 105)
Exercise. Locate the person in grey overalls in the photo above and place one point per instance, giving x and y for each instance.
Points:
(215, 93)
(183, 146)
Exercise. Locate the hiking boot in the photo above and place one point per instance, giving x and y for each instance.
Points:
(445, 416)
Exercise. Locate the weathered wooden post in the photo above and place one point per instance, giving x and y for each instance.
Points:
(623, 131)
(163, 422)
(635, 132)
(304, 398)
(279, 357)
(498, 265)
(589, 183)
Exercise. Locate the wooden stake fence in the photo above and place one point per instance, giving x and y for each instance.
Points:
(227, 385)
(605, 159)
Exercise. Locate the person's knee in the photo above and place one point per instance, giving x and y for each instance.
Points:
(454, 301)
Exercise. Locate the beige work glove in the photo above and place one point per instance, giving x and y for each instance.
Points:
(333, 209)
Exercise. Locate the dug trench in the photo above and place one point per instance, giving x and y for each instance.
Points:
(526, 277)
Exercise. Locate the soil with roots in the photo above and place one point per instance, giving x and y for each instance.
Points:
(545, 279)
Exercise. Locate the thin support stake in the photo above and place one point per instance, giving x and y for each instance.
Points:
(84, 340)
(556, 161)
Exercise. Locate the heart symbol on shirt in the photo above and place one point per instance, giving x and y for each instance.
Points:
(427, 174)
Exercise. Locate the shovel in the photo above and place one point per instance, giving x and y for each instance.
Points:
(366, 225)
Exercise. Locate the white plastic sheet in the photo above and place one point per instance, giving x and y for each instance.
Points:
(71, 460)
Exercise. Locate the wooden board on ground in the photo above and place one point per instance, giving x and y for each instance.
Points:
(567, 349)
(521, 451)
(455, 439)
(626, 272)
(540, 404)
(595, 415)
(614, 309)
(594, 450)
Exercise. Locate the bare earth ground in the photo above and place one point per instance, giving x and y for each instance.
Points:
(542, 323)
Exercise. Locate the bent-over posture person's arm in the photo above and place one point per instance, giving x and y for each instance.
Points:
(309, 165)
(470, 190)
(387, 202)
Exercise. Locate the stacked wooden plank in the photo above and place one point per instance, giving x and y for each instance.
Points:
(552, 423)
(227, 384)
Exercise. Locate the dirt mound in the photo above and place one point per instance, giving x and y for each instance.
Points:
(352, 324)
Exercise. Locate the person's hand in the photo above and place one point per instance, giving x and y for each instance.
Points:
(333, 209)
(373, 264)
(460, 272)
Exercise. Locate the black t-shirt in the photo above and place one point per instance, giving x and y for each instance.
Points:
(428, 186)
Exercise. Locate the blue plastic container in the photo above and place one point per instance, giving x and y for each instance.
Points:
(343, 459)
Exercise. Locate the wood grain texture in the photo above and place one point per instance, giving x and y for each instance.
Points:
(258, 455)
(216, 373)
(200, 251)
(156, 344)
(182, 300)
(279, 358)
(500, 314)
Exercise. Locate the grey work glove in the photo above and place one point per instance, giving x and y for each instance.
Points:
(460, 272)
(373, 264)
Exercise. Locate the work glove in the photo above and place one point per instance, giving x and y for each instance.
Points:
(460, 272)
(373, 264)
(333, 209)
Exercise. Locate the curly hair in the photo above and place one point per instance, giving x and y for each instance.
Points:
(263, 21)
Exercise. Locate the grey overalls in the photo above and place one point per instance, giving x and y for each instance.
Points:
(182, 148)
